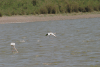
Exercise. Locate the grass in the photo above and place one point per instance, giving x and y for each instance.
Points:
(28, 7)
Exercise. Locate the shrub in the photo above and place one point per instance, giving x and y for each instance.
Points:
(88, 9)
(81, 9)
(43, 10)
(69, 8)
(52, 9)
(34, 2)
(62, 8)
(75, 7)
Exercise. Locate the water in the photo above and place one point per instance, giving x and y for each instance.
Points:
(77, 44)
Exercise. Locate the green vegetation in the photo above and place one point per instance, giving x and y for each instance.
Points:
(26, 7)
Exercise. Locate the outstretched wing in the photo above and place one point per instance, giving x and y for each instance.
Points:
(53, 35)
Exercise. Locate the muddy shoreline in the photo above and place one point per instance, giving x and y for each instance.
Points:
(35, 18)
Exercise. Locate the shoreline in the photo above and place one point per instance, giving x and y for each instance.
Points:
(46, 17)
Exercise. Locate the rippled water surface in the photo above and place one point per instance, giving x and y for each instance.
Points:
(77, 44)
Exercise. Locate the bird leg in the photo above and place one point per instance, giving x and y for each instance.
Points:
(15, 49)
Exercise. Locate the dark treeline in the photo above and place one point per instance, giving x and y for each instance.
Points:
(26, 7)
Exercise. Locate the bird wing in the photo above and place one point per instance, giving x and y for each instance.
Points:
(53, 34)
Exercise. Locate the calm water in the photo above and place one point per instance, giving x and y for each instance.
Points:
(77, 44)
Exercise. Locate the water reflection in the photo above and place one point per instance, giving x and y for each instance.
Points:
(77, 43)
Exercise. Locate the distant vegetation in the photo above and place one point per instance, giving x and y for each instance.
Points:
(26, 7)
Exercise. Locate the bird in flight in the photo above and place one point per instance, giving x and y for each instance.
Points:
(53, 34)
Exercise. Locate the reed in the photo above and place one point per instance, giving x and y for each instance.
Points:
(27, 7)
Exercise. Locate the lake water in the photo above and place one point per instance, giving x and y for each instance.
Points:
(77, 44)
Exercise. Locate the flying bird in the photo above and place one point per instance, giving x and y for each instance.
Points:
(53, 34)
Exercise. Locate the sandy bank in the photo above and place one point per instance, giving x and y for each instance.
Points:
(34, 18)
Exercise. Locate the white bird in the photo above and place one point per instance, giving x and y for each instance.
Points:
(48, 34)
(13, 45)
